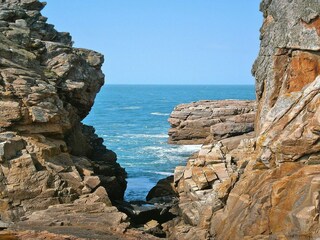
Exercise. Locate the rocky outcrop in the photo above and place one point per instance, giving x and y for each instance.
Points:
(47, 87)
(90, 217)
(204, 185)
(268, 187)
(205, 121)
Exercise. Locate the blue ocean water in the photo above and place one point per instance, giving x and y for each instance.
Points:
(132, 119)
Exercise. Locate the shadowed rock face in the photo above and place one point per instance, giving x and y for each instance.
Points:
(47, 87)
(268, 186)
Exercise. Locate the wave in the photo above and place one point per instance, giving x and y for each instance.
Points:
(162, 173)
(173, 149)
(119, 108)
(191, 148)
(131, 108)
(167, 154)
(160, 114)
(141, 135)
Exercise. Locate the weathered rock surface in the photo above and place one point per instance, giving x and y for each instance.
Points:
(268, 187)
(47, 157)
(74, 233)
(204, 185)
(200, 122)
(281, 184)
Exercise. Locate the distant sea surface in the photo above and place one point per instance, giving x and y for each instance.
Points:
(132, 119)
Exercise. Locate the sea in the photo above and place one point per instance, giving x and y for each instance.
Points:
(133, 121)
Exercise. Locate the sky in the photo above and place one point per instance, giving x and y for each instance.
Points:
(165, 41)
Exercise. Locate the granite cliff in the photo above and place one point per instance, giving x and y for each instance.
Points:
(267, 187)
(47, 156)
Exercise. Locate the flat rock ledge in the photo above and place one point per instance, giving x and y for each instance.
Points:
(207, 121)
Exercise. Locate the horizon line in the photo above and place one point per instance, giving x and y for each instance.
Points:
(178, 84)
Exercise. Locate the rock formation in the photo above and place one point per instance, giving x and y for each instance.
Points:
(282, 183)
(205, 182)
(47, 87)
(200, 122)
(55, 171)
(269, 186)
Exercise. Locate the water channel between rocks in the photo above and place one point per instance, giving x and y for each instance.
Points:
(132, 119)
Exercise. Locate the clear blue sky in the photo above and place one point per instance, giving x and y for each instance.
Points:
(165, 41)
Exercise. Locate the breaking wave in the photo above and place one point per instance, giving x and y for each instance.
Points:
(131, 108)
(160, 114)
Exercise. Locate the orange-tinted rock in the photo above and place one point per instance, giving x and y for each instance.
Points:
(277, 195)
(315, 23)
(281, 60)
(281, 201)
(303, 68)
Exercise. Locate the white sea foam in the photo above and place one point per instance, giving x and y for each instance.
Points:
(165, 154)
(131, 108)
(153, 148)
(162, 173)
(177, 150)
(160, 114)
(191, 148)
(145, 135)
